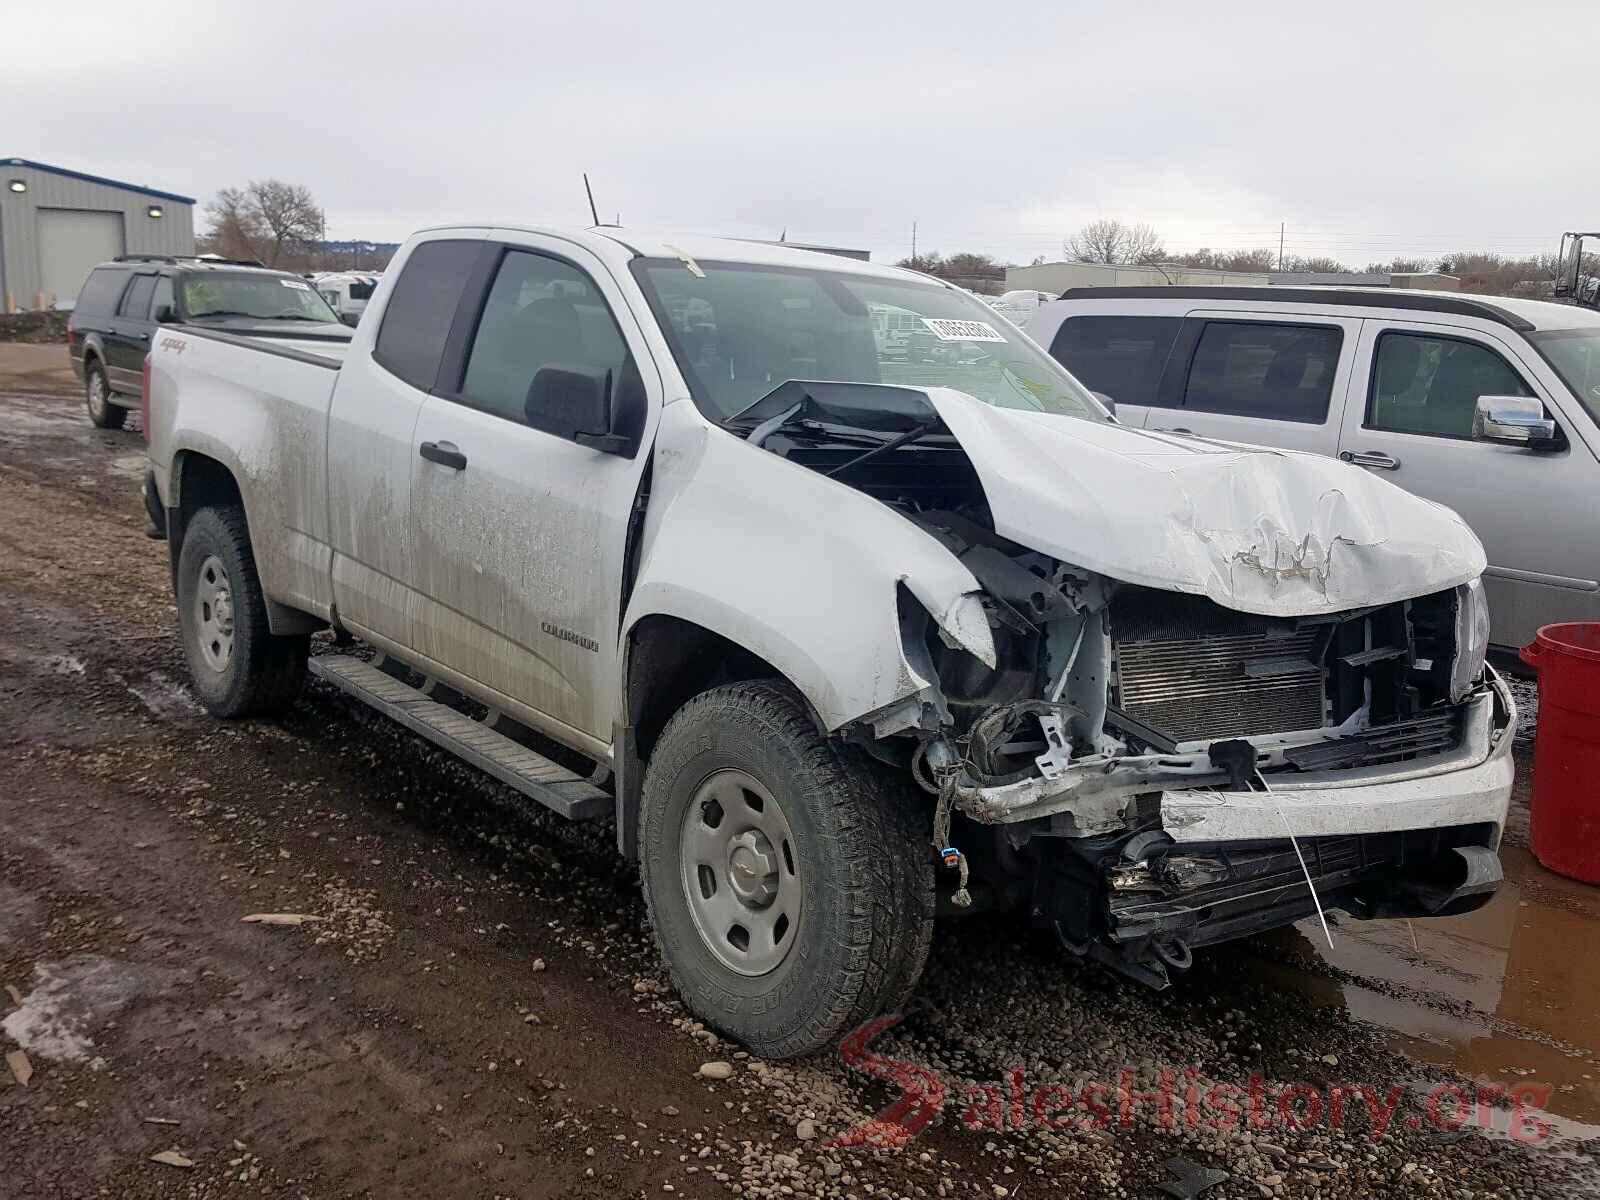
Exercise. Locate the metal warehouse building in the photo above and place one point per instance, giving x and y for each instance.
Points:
(55, 224)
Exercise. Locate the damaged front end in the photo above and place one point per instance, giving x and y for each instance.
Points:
(1148, 760)
(1149, 778)
(1147, 769)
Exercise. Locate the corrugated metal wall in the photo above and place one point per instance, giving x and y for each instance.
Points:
(20, 282)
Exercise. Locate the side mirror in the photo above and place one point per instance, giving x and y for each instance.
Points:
(1512, 421)
(164, 314)
(1107, 401)
(579, 403)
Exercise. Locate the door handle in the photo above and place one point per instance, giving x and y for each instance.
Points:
(1376, 459)
(445, 454)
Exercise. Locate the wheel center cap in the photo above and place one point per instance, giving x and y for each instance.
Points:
(752, 868)
(223, 608)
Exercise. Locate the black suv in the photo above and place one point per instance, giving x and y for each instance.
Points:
(123, 301)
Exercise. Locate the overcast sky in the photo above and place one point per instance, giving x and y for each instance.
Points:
(1404, 127)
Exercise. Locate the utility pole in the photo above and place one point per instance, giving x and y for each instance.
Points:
(913, 243)
(1280, 245)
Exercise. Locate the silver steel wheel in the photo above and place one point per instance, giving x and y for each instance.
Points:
(741, 873)
(99, 395)
(213, 614)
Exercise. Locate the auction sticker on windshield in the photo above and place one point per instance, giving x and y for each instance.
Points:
(296, 284)
(947, 330)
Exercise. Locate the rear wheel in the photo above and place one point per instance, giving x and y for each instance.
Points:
(790, 894)
(238, 667)
(97, 398)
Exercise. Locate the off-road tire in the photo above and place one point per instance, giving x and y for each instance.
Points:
(866, 872)
(263, 673)
(103, 413)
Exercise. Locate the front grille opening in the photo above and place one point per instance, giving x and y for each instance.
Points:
(1193, 671)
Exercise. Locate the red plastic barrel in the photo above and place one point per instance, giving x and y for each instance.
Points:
(1566, 750)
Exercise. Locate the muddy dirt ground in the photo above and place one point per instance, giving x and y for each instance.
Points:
(478, 1012)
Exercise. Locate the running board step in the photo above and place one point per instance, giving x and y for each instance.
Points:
(513, 764)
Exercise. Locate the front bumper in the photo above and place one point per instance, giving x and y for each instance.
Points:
(1468, 784)
(1415, 840)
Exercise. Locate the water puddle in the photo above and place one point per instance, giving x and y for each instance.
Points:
(161, 695)
(1504, 995)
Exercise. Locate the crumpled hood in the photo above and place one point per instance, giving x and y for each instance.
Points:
(1258, 530)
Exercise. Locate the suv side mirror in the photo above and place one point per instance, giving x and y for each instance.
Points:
(1513, 421)
(1107, 401)
(163, 314)
(581, 404)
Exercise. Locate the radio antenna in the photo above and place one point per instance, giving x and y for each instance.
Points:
(593, 212)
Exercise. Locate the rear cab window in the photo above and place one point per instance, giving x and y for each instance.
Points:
(422, 308)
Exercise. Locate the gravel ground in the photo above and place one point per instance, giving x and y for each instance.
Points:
(476, 1011)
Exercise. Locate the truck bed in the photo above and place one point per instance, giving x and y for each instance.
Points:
(237, 396)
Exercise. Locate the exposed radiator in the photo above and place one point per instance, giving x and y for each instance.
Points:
(1195, 670)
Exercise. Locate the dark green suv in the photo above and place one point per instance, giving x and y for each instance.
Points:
(124, 300)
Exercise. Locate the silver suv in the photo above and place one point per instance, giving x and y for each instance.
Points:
(1486, 405)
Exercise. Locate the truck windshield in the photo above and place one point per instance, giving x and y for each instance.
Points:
(218, 294)
(1575, 355)
(739, 330)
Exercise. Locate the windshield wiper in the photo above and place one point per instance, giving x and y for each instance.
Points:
(894, 443)
(221, 312)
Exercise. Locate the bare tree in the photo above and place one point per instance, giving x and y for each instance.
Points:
(1322, 265)
(1399, 266)
(1111, 241)
(968, 269)
(265, 219)
(1229, 260)
(233, 225)
(288, 213)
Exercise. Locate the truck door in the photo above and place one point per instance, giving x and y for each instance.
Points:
(1411, 423)
(518, 535)
(381, 388)
(1271, 380)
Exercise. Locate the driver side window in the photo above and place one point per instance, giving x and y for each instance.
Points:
(1431, 385)
(540, 312)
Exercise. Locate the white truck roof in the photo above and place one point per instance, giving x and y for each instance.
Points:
(665, 244)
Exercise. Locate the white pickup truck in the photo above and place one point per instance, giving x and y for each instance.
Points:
(842, 635)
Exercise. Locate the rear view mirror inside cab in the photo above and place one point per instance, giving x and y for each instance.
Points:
(1513, 421)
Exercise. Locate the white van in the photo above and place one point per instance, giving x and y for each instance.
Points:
(347, 292)
(1485, 404)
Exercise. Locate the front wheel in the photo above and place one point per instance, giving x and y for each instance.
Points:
(237, 665)
(103, 414)
(790, 893)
